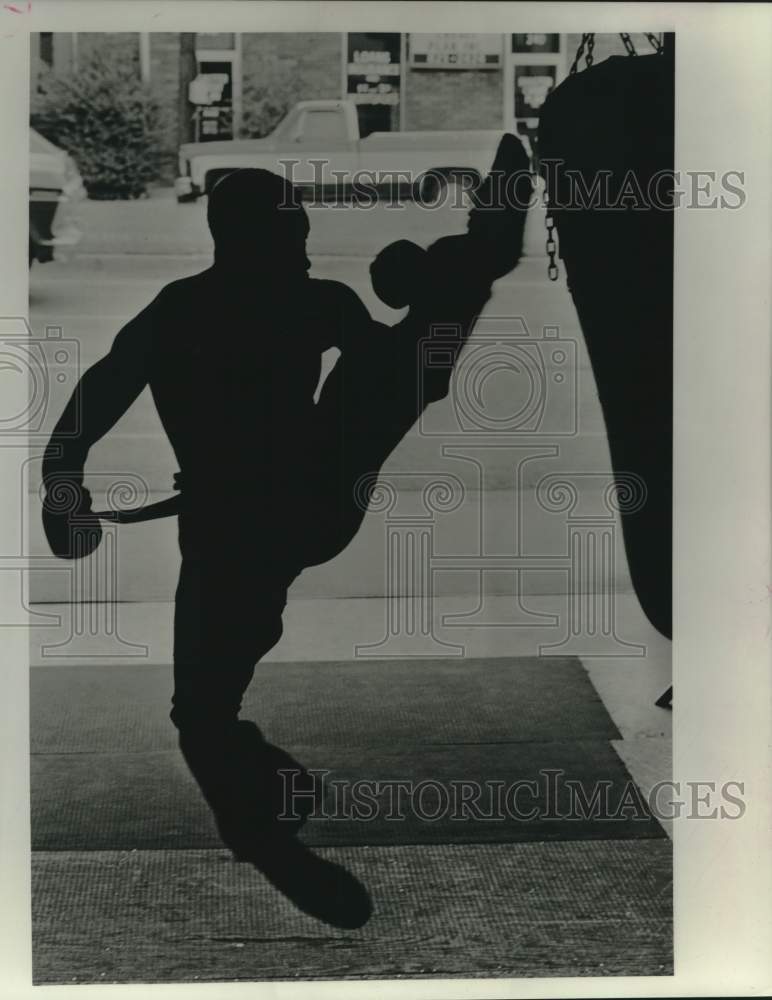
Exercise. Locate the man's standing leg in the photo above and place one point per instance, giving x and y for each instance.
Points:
(226, 619)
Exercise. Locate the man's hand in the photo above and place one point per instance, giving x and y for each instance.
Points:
(72, 529)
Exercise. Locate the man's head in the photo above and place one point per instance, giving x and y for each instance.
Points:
(257, 218)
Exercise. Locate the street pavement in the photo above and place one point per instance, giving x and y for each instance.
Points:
(158, 225)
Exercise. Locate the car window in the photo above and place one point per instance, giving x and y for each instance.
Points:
(323, 125)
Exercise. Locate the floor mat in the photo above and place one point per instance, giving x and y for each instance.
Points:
(476, 793)
(382, 702)
(592, 909)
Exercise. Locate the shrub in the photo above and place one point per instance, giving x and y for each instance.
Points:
(267, 98)
(106, 118)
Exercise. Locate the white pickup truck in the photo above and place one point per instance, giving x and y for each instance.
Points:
(318, 147)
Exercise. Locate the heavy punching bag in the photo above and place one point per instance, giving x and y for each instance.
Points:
(606, 154)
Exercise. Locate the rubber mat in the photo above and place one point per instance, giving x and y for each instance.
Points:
(384, 702)
(475, 793)
(593, 909)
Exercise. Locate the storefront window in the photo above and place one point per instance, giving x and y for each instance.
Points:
(215, 118)
(216, 90)
(373, 73)
(537, 64)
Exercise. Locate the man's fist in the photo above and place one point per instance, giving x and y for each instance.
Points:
(397, 273)
(72, 529)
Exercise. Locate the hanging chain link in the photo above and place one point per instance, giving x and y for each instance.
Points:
(552, 267)
(655, 43)
(588, 43)
(580, 52)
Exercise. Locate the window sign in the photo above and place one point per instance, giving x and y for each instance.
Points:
(535, 43)
(373, 68)
(207, 88)
(455, 51)
(532, 85)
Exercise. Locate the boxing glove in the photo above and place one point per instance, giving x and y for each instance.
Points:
(71, 527)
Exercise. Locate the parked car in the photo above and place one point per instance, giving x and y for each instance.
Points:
(55, 188)
(318, 146)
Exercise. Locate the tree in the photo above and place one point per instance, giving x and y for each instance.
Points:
(107, 119)
(267, 97)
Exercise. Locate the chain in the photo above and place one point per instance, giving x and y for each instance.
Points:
(589, 59)
(655, 43)
(589, 40)
(552, 267)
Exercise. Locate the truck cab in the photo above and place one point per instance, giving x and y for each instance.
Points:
(315, 139)
(332, 123)
(318, 147)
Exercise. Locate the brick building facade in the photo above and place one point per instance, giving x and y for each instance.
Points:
(399, 81)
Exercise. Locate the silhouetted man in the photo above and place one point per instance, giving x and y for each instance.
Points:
(233, 358)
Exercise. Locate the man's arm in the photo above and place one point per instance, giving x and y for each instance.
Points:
(101, 397)
(341, 316)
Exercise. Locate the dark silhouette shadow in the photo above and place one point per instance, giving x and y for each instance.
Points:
(611, 128)
(272, 482)
(261, 797)
(318, 887)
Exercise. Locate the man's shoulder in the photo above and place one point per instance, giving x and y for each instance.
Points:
(183, 289)
(155, 327)
(336, 297)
